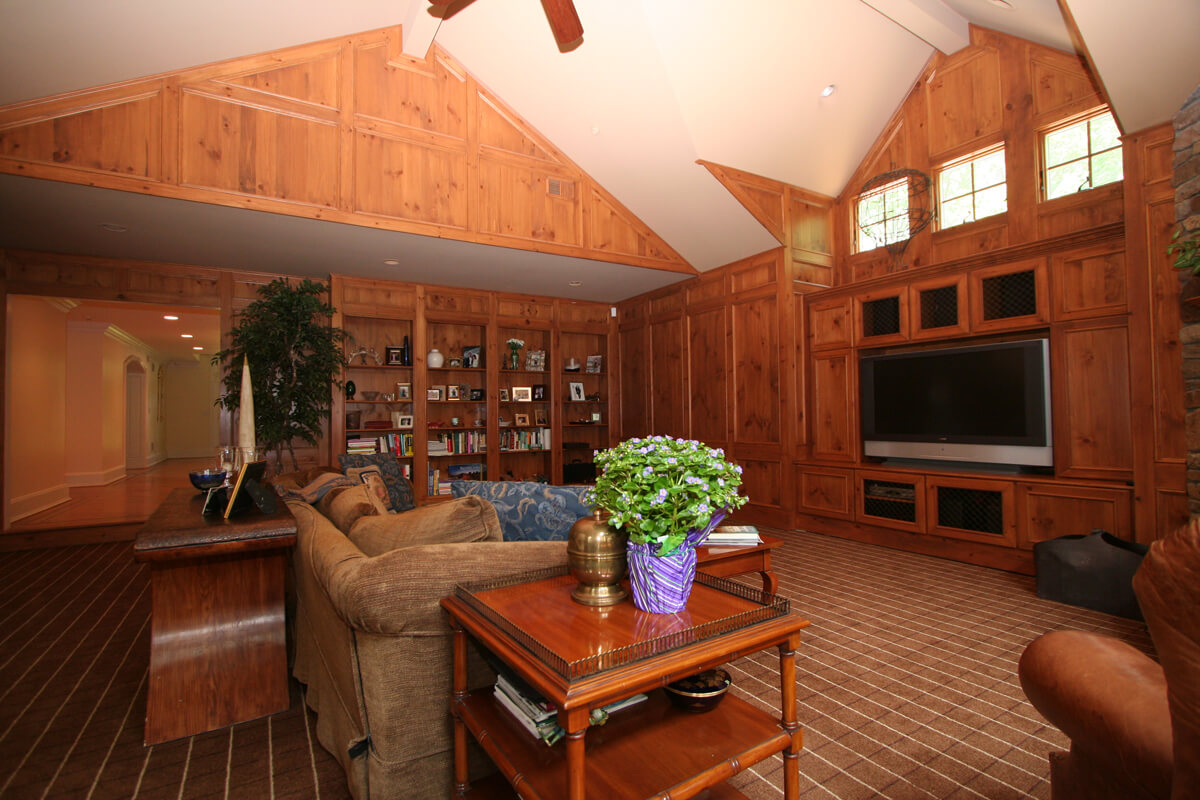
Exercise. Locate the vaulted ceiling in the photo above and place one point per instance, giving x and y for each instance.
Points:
(654, 86)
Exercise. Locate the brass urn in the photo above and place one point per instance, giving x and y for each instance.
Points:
(596, 558)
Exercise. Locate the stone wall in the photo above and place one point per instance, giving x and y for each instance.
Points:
(1187, 214)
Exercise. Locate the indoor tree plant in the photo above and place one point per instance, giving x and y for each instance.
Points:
(667, 494)
(295, 358)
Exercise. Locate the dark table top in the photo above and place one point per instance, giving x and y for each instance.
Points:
(177, 530)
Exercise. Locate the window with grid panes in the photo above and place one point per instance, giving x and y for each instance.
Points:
(1081, 156)
(972, 188)
(883, 216)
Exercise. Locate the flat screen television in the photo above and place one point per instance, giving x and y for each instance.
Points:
(981, 403)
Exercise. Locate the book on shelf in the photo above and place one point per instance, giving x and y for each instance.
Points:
(734, 535)
(540, 717)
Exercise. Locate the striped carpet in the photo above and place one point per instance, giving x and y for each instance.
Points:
(907, 685)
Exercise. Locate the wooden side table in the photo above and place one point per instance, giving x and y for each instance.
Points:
(218, 652)
(726, 560)
(582, 658)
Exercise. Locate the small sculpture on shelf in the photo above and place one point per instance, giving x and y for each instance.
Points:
(363, 353)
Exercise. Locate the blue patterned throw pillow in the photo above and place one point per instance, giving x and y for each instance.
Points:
(527, 510)
(400, 491)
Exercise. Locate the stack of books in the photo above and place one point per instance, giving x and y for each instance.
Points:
(362, 445)
(733, 535)
(540, 717)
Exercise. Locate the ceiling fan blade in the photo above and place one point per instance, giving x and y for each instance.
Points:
(564, 23)
(445, 9)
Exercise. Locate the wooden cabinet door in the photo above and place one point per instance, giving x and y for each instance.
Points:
(1092, 417)
(834, 417)
(973, 509)
(881, 317)
(1047, 511)
(1009, 296)
(891, 500)
(828, 492)
(937, 308)
(1090, 282)
(831, 323)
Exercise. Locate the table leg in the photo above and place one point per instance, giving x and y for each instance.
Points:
(461, 774)
(770, 581)
(787, 688)
(576, 726)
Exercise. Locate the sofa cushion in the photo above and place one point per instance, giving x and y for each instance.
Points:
(467, 519)
(349, 506)
(527, 510)
(399, 489)
(377, 490)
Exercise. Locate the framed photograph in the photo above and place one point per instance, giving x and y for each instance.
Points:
(477, 395)
(594, 363)
(405, 421)
(539, 391)
(394, 356)
(437, 392)
(471, 357)
(535, 360)
(504, 395)
(522, 394)
(595, 416)
(248, 479)
(521, 420)
(404, 391)
(454, 363)
(452, 393)
(576, 391)
(540, 418)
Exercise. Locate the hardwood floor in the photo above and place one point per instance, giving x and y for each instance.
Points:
(102, 513)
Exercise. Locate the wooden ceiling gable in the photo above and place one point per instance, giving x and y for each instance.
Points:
(348, 130)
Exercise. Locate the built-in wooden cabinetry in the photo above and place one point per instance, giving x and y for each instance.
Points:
(478, 414)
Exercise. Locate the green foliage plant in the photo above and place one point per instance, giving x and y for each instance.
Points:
(659, 489)
(1186, 250)
(295, 361)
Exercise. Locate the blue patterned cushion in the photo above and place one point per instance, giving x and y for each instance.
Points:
(400, 491)
(527, 510)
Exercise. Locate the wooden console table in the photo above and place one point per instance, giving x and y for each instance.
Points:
(218, 653)
(730, 559)
(581, 658)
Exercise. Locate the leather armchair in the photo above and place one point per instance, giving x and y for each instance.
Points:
(1134, 723)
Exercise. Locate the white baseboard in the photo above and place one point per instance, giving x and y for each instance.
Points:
(148, 461)
(21, 507)
(96, 478)
(194, 452)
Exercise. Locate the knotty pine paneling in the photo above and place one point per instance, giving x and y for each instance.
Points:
(1090, 283)
(1094, 435)
(756, 368)
(348, 130)
(708, 369)
(761, 481)
(1059, 87)
(236, 148)
(634, 345)
(666, 377)
(963, 101)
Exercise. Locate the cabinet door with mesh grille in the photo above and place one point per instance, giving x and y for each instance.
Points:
(1009, 296)
(971, 509)
(938, 307)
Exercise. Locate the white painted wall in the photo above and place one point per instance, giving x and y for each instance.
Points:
(191, 419)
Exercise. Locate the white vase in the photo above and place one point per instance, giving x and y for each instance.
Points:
(434, 359)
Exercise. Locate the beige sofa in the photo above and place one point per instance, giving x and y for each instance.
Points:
(373, 646)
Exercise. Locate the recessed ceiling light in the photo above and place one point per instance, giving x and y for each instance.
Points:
(575, 283)
(828, 90)
(197, 347)
(185, 336)
(171, 317)
(391, 262)
(113, 227)
(1002, 4)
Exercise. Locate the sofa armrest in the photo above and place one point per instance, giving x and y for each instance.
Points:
(466, 519)
(1109, 698)
(399, 593)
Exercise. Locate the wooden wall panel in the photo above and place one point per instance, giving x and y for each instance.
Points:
(237, 148)
(1093, 434)
(634, 344)
(119, 137)
(761, 481)
(832, 404)
(498, 130)
(964, 102)
(1090, 282)
(410, 181)
(709, 375)
(515, 201)
(425, 96)
(313, 81)
(1060, 88)
(756, 368)
(666, 377)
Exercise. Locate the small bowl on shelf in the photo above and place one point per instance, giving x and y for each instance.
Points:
(207, 479)
(700, 692)
(368, 395)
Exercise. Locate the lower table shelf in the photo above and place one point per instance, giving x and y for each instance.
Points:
(651, 749)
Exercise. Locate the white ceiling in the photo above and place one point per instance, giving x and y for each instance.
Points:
(655, 85)
(145, 324)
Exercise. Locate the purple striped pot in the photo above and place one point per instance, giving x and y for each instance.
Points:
(662, 584)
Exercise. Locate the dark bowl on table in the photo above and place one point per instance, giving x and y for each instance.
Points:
(207, 479)
(700, 692)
